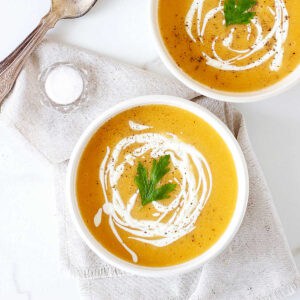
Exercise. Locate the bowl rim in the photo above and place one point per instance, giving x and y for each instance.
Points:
(237, 97)
(242, 197)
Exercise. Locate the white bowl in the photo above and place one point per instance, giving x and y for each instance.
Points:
(242, 197)
(242, 97)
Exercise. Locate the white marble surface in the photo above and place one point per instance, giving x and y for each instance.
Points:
(29, 260)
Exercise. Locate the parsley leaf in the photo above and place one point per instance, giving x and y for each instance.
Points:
(148, 187)
(237, 11)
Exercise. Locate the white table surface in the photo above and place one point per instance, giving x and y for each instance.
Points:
(29, 257)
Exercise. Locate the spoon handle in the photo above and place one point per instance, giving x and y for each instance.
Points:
(11, 66)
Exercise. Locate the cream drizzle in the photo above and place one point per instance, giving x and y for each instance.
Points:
(194, 190)
(98, 218)
(278, 32)
(138, 127)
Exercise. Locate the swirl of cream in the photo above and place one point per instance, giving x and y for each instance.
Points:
(172, 221)
(278, 33)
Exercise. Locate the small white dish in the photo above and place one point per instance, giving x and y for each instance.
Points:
(242, 198)
(238, 97)
(58, 86)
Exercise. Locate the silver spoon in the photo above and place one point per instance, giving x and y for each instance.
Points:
(11, 66)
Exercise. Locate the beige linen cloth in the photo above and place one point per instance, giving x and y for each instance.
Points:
(258, 263)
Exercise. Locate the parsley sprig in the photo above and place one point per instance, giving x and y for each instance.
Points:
(237, 11)
(148, 186)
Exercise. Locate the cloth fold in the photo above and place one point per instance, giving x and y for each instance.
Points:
(258, 263)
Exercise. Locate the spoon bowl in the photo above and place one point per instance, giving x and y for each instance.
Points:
(70, 9)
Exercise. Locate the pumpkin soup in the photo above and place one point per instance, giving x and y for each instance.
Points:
(232, 45)
(156, 185)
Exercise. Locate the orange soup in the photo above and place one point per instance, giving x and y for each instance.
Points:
(156, 185)
(219, 46)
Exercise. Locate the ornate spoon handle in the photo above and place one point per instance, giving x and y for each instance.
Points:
(11, 66)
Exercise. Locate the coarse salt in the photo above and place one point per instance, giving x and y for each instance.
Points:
(64, 84)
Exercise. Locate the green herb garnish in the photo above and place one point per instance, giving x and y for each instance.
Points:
(148, 186)
(237, 11)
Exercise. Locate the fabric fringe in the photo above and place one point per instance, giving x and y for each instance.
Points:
(105, 272)
(285, 291)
